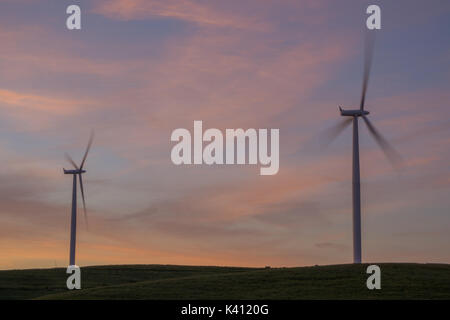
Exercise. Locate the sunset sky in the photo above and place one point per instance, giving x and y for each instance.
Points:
(138, 69)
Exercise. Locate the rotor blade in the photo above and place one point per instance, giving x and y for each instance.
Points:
(331, 133)
(84, 201)
(91, 138)
(368, 54)
(392, 155)
(68, 158)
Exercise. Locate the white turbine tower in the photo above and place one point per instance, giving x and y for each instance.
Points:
(77, 171)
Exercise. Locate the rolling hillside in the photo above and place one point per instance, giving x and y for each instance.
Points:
(398, 281)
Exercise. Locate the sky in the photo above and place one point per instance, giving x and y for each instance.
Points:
(139, 69)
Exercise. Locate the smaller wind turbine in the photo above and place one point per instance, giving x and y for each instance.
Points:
(78, 171)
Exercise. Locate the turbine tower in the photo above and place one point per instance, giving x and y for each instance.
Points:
(77, 171)
(392, 155)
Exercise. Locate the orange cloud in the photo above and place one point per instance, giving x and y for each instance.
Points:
(31, 102)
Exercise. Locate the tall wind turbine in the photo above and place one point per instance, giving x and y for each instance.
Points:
(353, 116)
(78, 171)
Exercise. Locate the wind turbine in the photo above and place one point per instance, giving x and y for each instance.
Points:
(392, 155)
(78, 171)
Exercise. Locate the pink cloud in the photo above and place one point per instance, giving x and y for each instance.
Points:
(202, 13)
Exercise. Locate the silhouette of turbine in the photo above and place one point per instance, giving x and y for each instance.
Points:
(77, 171)
(388, 150)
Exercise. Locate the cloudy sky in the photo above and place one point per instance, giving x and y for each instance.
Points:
(140, 69)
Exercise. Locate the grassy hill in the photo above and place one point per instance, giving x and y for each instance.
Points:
(398, 281)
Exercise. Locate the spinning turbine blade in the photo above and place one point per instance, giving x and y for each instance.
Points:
(392, 155)
(84, 202)
(71, 160)
(91, 138)
(331, 133)
(368, 54)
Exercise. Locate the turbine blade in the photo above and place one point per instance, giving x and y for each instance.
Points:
(68, 158)
(84, 201)
(331, 133)
(368, 54)
(392, 155)
(91, 138)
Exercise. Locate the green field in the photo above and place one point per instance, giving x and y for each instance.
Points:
(398, 281)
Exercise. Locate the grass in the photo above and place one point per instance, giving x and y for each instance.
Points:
(398, 281)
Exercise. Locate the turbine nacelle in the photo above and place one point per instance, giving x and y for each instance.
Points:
(77, 171)
(353, 113)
